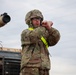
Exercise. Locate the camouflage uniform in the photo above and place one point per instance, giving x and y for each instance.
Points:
(35, 56)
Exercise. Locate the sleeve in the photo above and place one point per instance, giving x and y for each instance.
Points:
(35, 35)
(29, 37)
(53, 37)
(25, 40)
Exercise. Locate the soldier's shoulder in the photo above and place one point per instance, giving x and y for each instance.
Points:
(24, 31)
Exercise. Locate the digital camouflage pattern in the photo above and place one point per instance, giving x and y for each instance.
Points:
(34, 71)
(34, 52)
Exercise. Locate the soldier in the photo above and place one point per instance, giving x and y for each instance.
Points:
(35, 42)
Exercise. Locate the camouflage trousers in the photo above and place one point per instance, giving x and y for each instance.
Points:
(34, 71)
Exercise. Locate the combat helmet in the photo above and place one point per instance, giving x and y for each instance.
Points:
(31, 14)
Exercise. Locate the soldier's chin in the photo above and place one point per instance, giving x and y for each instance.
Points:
(36, 26)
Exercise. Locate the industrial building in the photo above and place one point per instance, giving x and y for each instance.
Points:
(10, 61)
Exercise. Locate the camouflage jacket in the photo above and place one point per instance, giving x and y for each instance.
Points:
(34, 51)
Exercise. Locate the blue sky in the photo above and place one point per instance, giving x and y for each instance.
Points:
(63, 15)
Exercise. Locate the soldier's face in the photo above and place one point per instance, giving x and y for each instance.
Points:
(36, 22)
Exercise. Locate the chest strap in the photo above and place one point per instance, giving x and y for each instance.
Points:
(42, 39)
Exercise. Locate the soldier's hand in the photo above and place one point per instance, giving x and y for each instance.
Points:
(47, 24)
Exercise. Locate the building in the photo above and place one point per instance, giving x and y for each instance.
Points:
(10, 61)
